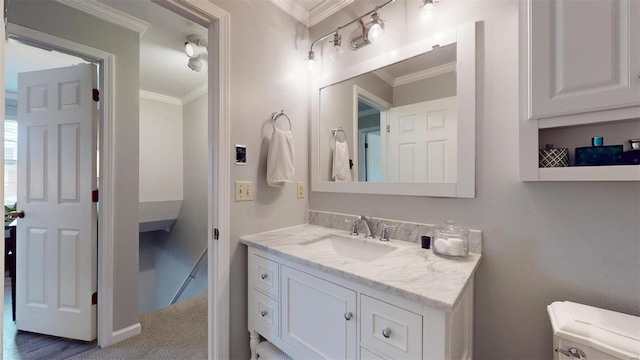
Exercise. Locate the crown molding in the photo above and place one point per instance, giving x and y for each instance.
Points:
(425, 74)
(326, 9)
(199, 91)
(311, 17)
(416, 76)
(159, 97)
(107, 13)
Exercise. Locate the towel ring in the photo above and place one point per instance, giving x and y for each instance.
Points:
(276, 115)
(336, 133)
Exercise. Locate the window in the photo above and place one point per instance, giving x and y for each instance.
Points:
(10, 161)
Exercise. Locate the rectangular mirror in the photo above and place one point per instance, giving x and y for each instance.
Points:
(405, 120)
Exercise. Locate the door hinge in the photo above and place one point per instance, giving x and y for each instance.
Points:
(94, 298)
(388, 128)
(216, 234)
(94, 196)
(96, 95)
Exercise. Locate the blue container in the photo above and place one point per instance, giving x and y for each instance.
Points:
(599, 155)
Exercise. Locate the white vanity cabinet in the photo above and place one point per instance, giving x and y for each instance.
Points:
(579, 70)
(310, 314)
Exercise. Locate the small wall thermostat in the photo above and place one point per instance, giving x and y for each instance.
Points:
(241, 154)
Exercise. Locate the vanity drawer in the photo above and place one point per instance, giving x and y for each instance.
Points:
(264, 275)
(390, 330)
(265, 314)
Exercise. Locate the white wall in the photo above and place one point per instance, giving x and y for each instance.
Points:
(542, 242)
(160, 151)
(56, 19)
(177, 252)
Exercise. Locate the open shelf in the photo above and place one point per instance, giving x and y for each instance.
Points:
(591, 173)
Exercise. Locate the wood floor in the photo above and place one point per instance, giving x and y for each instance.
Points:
(20, 345)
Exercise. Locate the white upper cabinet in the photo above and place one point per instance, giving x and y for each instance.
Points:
(584, 56)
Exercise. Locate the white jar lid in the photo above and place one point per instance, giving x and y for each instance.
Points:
(611, 332)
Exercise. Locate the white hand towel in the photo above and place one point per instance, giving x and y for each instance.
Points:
(280, 159)
(340, 170)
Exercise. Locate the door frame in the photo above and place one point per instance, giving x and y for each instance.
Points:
(217, 21)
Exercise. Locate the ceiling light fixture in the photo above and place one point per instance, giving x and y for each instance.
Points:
(376, 24)
(195, 64)
(193, 47)
(196, 50)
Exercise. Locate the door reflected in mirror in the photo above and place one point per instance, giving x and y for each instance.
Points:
(400, 121)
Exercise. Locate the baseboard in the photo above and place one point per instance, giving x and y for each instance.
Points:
(122, 334)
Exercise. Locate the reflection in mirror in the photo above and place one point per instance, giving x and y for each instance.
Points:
(400, 121)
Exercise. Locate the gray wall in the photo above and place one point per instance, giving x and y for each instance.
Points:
(433, 88)
(542, 242)
(336, 109)
(267, 74)
(67, 23)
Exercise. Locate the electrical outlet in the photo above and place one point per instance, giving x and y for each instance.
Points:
(300, 189)
(244, 190)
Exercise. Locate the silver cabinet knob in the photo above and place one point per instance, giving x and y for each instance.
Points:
(386, 333)
(348, 316)
(573, 353)
(263, 276)
(263, 313)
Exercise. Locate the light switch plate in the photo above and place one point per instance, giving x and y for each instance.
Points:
(244, 190)
(300, 189)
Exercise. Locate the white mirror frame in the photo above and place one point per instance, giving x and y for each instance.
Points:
(465, 37)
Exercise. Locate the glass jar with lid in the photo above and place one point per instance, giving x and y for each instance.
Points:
(451, 240)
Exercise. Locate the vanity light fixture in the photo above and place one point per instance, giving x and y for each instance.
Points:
(373, 29)
(426, 9)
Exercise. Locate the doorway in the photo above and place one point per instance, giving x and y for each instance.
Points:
(217, 22)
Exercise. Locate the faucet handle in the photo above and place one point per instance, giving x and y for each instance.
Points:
(384, 235)
(354, 226)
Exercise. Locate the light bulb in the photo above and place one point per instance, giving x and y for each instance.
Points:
(426, 11)
(311, 59)
(375, 33)
(189, 49)
(337, 51)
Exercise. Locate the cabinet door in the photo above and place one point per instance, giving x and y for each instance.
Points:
(313, 316)
(584, 56)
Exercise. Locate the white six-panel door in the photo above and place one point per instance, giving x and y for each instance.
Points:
(57, 238)
(422, 142)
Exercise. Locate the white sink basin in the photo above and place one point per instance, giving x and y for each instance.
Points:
(356, 249)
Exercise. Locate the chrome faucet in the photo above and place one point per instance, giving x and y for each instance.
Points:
(384, 234)
(354, 226)
(367, 223)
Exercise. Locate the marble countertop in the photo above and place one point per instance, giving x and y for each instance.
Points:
(409, 271)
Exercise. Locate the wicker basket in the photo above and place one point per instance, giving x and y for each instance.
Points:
(552, 157)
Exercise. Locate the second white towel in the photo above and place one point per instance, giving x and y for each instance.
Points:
(341, 171)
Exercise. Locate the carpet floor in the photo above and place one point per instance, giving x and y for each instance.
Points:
(175, 332)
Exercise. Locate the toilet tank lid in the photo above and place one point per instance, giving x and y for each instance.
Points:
(611, 332)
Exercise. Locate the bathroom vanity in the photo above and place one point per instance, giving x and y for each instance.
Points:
(316, 292)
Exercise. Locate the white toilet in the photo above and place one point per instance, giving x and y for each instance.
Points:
(589, 333)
